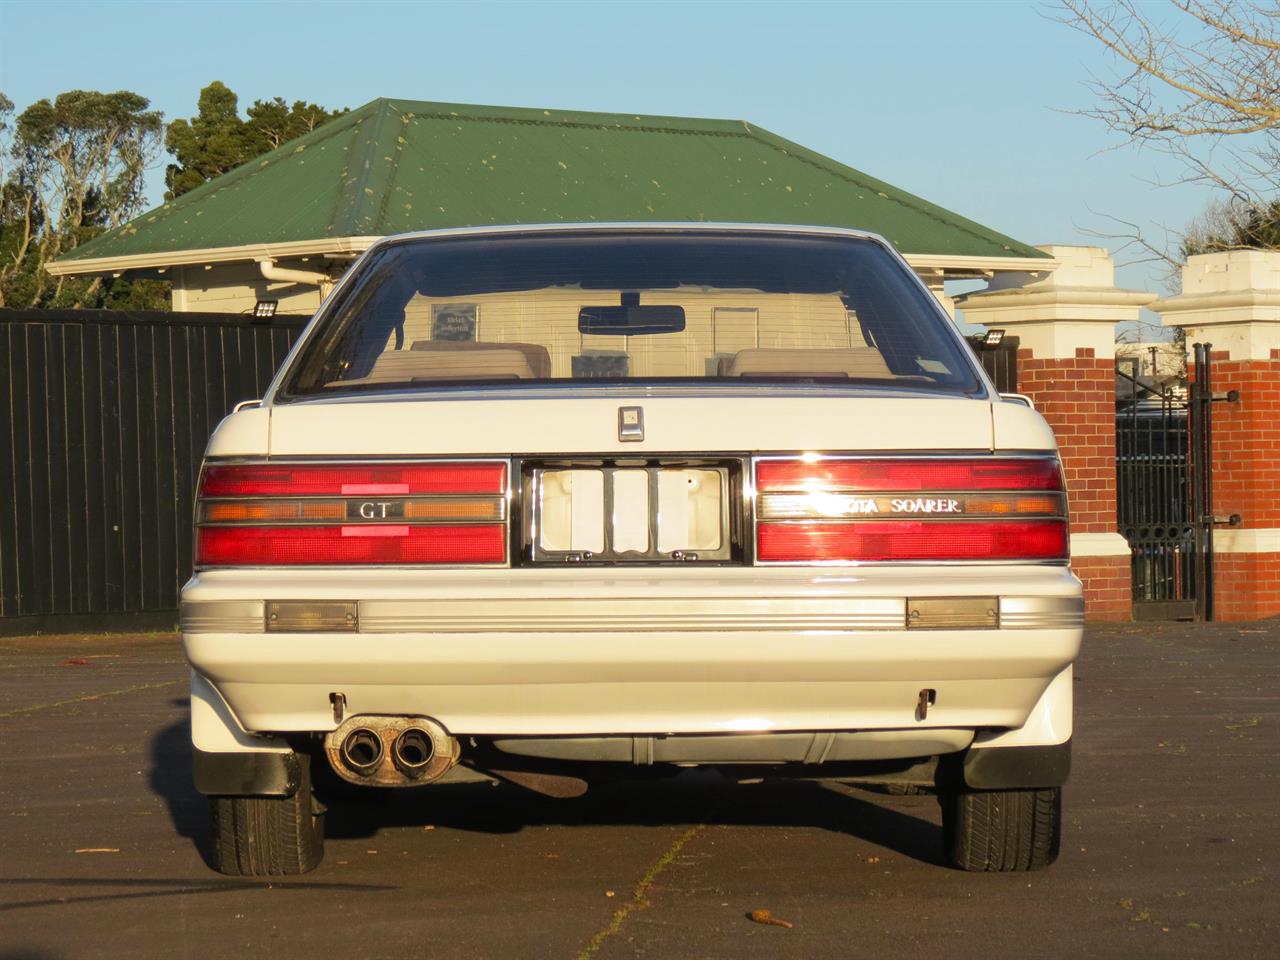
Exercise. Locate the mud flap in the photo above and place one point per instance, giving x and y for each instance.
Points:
(1017, 768)
(246, 774)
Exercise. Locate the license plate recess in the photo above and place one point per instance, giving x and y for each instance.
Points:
(615, 511)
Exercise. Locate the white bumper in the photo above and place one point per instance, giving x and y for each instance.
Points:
(643, 650)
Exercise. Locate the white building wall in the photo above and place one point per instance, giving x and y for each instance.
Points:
(235, 288)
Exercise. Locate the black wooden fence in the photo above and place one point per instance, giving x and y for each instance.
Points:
(104, 416)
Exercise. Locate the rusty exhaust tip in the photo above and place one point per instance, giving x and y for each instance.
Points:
(389, 751)
(362, 751)
(412, 752)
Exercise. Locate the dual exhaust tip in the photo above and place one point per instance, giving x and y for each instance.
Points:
(391, 751)
(363, 752)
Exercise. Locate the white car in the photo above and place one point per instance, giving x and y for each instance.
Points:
(550, 504)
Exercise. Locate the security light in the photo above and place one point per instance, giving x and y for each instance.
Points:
(993, 338)
(267, 308)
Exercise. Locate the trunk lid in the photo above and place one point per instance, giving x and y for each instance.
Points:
(557, 426)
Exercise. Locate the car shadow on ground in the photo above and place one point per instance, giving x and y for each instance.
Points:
(170, 778)
(690, 797)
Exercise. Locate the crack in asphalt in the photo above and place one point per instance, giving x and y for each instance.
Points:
(85, 698)
(639, 899)
(167, 888)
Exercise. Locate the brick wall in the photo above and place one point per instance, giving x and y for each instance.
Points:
(1077, 396)
(1246, 480)
(1107, 586)
(1246, 441)
(1246, 586)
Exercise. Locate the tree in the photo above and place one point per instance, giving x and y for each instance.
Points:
(1231, 225)
(17, 208)
(216, 139)
(78, 167)
(273, 122)
(1199, 81)
(208, 145)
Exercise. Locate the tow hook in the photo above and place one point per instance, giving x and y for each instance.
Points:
(928, 697)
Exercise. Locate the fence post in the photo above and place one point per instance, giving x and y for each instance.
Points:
(1231, 300)
(1065, 321)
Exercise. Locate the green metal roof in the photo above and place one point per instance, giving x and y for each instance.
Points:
(399, 165)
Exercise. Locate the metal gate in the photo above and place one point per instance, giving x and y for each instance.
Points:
(1164, 434)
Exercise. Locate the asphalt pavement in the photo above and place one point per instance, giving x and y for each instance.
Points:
(1171, 842)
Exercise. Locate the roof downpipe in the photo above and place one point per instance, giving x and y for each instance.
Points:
(271, 272)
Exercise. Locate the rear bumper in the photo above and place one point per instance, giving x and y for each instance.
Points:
(640, 651)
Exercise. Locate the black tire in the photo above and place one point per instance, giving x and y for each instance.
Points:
(1001, 830)
(269, 836)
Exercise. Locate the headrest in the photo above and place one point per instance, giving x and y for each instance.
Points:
(864, 362)
(536, 355)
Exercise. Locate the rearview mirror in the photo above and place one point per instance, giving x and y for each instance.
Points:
(631, 319)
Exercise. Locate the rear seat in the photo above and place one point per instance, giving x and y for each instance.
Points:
(863, 362)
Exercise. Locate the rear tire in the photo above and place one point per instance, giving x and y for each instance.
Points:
(1001, 830)
(269, 836)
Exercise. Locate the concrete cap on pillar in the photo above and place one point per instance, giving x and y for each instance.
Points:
(1230, 299)
(1077, 305)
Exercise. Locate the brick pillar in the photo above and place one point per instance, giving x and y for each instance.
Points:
(1232, 301)
(1065, 321)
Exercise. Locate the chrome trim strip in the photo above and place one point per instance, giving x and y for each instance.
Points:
(222, 616)
(784, 506)
(1041, 613)
(676, 615)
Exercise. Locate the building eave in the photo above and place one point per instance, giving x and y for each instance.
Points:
(329, 246)
(957, 266)
(947, 265)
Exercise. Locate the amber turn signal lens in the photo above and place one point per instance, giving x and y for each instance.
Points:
(1005, 505)
(453, 509)
(249, 510)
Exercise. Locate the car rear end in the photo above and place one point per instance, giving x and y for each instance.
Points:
(551, 504)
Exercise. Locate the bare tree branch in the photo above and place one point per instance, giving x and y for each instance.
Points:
(1195, 73)
(1198, 81)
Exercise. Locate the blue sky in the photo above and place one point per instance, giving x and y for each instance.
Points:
(968, 104)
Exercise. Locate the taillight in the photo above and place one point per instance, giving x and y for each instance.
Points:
(308, 514)
(910, 509)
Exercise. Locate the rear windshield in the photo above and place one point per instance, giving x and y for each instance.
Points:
(595, 308)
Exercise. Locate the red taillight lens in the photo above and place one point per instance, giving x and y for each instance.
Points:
(909, 475)
(912, 540)
(391, 479)
(272, 546)
(307, 514)
(877, 510)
